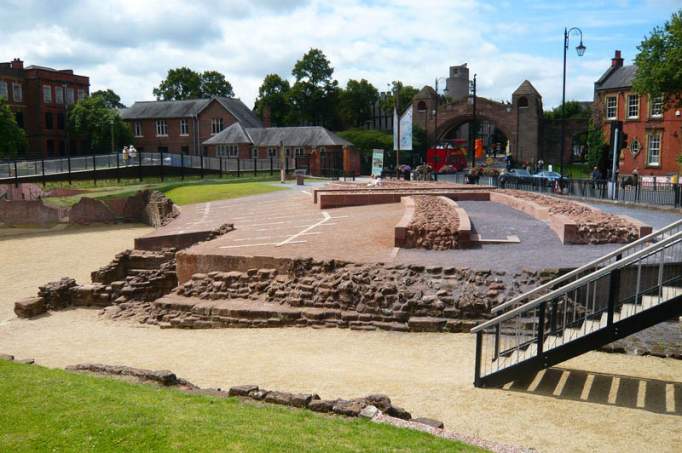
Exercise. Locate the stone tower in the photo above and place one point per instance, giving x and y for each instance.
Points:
(527, 108)
(458, 83)
(423, 113)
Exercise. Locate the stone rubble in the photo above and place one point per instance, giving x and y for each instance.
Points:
(434, 225)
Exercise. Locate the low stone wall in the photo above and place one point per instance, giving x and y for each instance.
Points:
(370, 197)
(434, 223)
(28, 212)
(180, 241)
(150, 207)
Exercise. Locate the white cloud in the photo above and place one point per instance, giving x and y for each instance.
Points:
(129, 45)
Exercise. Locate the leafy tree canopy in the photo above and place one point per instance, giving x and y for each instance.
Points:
(274, 93)
(314, 68)
(659, 62)
(184, 83)
(574, 109)
(355, 102)
(91, 119)
(12, 137)
(111, 99)
(314, 96)
(405, 95)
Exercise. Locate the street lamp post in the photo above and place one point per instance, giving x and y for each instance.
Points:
(473, 129)
(580, 49)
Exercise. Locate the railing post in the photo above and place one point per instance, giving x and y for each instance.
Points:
(255, 167)
(220, 163)
(614, 290)
(479, 351)
(161, 165)
(201, 157)
(94, 169)
(541, 328)
(118, 169)
(42, 161)
(182, 166)
(271, 169)
(552, 319)
(16, 174)
(139, 166)
(238, 167)
(497, 341)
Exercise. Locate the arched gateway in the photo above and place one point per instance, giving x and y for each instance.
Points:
(519, 120)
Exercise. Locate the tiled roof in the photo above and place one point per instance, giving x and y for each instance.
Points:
(273, 136)
(616, 78)
(527, 88)
(189, 108)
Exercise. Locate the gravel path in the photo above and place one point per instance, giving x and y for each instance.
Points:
(430, 374)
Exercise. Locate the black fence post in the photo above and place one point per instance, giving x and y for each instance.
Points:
(118, 169)
(676, 189)
(497, 341)
(541, 328)
(220, 162)
(161, 165)
(477, 366)
(237, 167)
(42, 162)
(201, 158)
(94, 169)
(255, 166)
(68, 161)
(139, 166)
(16, 174)
(182, 166)
(271, 169)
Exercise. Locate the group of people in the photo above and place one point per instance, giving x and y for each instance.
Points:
(129, 153)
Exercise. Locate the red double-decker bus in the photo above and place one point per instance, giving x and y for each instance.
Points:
(451, 153)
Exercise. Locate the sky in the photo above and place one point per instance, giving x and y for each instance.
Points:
(129, 45)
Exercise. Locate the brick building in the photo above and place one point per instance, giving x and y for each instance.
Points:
(320, 150)
(39, 97)
(182, 126)
(653, 131)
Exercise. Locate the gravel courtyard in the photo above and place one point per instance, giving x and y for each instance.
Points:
(429, 374)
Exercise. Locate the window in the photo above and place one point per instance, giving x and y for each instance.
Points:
(633, 106)
(3, 90)
(60, 121)
(216, 125)
(137, 126)
(48, 120)
(184, 128)
(254, 153)
(231, 150)
(272, 152)
(59, 95)
(635, 147)
(81, 94)
(656, 106)
(421, 106)
(17, 92)
(611, 107)
(161, 128)
(69, 96)
(47, 94)
(300, 152)
(523, 102)
(653, 157)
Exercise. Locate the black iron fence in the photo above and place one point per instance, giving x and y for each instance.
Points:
(646, 193)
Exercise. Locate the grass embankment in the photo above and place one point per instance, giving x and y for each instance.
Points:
(191, 190)
(52, 410)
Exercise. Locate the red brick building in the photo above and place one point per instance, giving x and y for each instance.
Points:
(654, 133)
(39, 97)
(320, 150)
(182, 126)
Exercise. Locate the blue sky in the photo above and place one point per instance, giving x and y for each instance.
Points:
(129, 45)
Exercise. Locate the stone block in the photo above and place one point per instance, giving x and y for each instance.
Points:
(429, 422)
(30, 307)
(242, 390)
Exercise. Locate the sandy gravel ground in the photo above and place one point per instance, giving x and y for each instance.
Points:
(429, 374)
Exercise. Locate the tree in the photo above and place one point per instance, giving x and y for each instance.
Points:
(274, 94)
(595, 144)
(405, 95)
(355, 102)
(12, 137)
(314, 96)
(659, 62)
(574, 109)
(180, 83)
(366, 140)
(111, 99)
(92, 120)
(214, 83)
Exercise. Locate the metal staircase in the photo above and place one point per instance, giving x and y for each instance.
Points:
(628, 290)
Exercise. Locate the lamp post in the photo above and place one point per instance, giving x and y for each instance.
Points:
(580, 49)
(473, 129)
(435, 110)
(396, 144)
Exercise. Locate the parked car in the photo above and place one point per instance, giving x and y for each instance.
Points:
(515, 175)
(547, 177)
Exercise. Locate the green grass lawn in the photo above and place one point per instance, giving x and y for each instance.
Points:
(52, 410)
(228, 187)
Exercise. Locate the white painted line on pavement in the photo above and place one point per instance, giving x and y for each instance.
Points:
(315, 225)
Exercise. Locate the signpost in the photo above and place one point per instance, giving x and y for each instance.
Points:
(377, 162)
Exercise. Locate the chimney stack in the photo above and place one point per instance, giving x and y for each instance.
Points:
(17, 64)
(617, 60)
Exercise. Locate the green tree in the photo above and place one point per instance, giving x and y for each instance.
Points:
(180, 83)
(574, 109)
(405, 95)
(659, 62)
(366, 140)
(595, 144)
(12, 137)
(213, 83)
(274, 93)
(92, 120)
(314, 96)
(111, 99)
(355, 102)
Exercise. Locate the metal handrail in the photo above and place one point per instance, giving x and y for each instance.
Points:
(584, 267)
(580, 282)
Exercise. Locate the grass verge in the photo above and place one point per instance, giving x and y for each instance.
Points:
(52, 410)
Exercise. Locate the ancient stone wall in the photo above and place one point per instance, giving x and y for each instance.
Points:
(436, 224)
(28, 212)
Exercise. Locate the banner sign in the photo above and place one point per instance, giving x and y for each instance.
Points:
(377, 162)
(405, 130)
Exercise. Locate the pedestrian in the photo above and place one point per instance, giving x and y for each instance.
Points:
(132, 153)
(596, 177)
(125, 156)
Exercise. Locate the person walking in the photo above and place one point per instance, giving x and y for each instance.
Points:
(132, 153)
(125, 156)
